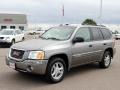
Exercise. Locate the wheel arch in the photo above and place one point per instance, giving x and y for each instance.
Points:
(110, 50)
(63, 56)
(13, 39)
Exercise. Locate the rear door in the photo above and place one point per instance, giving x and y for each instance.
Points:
(108, 40)
(98, 43)
(17, 36)
(21, 35)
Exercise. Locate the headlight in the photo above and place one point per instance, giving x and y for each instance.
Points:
(39, 55)
(7, 38)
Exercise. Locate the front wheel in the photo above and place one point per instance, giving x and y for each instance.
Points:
(56, 70)
(13, 42)
(23, 39)
(106, 60)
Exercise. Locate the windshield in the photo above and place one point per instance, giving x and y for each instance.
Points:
(6, 32)
(58, 33)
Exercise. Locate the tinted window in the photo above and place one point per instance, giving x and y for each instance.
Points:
(18, 32)
(83, 33)
(12, 27)
(21, 27)
(97, 35)
(106, 33)
(3, 27)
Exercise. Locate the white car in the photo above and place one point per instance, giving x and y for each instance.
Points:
(117, 36)
(11, 36)
(40, 31)
(34, 32)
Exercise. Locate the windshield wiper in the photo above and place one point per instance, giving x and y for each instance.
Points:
(42, 37)
(53, 38)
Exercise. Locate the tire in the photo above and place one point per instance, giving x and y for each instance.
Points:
(106, 60)
(34, 33)
(56, 70)
(23, 39)
(12, 42)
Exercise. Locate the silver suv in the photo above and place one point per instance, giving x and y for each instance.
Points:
(61, 48)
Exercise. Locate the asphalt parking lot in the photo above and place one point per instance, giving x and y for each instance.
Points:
(88, 77)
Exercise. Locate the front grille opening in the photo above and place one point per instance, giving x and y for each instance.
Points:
(18, 54)
(1, 37)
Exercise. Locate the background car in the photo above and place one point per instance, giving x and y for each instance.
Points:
(116, 35)
(11, 36)
(34, 32)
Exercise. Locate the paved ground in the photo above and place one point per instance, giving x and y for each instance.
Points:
(88, 77)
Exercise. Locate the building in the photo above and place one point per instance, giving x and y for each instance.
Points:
(13, 21)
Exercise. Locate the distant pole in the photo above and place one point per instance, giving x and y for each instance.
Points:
(101, 10)
(63, 11)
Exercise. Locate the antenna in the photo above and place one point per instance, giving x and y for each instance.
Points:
(101, 7)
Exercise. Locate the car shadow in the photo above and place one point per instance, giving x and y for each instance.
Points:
(26, 80)
(83, 69)
(37, 79)
(5, 46)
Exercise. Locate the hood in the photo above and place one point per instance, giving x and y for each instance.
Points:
(5, 35)
(36, 44)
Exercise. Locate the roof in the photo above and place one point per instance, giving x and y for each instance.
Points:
(70, 25)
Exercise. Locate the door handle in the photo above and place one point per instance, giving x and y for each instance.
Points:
(90, 45)
(104, 43)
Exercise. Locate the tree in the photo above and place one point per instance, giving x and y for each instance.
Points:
(89, 22)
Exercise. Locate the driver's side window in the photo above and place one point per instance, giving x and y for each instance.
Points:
(83, 33)
(15, 33)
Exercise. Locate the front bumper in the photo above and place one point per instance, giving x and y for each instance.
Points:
(31, 66)
(4, 41)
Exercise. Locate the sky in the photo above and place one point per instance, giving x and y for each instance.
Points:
(76, 11)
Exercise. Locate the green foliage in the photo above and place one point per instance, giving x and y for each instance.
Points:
(89, 22)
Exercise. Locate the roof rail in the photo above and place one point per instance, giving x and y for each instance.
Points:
(101, 25)
(64, 24)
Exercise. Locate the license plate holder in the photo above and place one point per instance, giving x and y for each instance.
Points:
(12, 65)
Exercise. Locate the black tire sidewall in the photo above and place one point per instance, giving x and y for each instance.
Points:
(48, 71)
(23, 39)
(12, 42)
(102, 63)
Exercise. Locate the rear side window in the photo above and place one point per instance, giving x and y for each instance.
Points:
(106, 33)
(97, 35)
(18, 32)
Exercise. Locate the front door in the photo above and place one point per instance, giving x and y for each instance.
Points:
(81, 51)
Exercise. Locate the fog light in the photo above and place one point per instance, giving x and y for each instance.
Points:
(29, 68)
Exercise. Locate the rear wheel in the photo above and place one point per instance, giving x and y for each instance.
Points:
(106, 60)
(56, 70)
(23, 39)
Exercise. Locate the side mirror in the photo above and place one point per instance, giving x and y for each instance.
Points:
(14, 34)
(78, 39)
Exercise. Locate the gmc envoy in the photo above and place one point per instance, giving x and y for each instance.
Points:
(61, 48)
